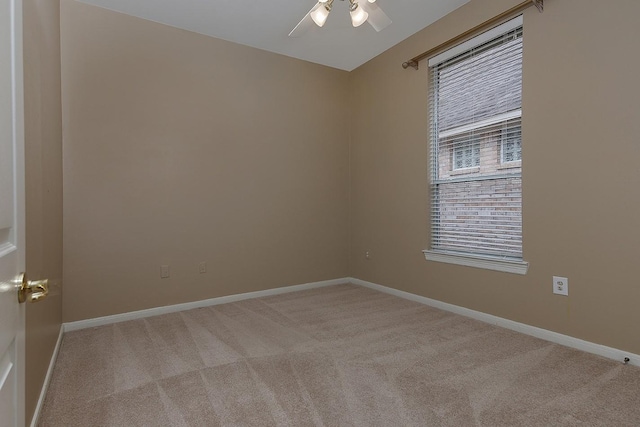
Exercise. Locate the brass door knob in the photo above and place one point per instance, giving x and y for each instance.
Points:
(32, 290)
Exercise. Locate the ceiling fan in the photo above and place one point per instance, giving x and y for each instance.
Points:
(361, 11)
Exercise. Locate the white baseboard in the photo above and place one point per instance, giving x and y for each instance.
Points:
(47, 379)
(116, 318)
(565, 340)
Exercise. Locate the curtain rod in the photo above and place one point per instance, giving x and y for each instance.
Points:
(413, 62)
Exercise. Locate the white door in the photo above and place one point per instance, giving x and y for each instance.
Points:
(12, 252)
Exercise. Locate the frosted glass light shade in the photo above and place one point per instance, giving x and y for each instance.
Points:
(320, 15)
(372, 1)
(358, 16)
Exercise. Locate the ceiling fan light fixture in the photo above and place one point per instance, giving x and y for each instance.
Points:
(321, 14)
(361, 11)
(358, 15)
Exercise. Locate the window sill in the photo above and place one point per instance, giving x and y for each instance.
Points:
(511, 165)
(487, 263)
(464, 171)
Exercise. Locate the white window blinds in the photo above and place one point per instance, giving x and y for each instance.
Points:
(476, 184)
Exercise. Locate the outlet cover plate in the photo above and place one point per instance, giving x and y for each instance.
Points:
(560, 285)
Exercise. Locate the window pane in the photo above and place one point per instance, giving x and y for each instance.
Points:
(482, 217)
(483, 83)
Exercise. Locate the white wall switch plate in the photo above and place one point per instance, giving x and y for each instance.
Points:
(202, 267)
(560, 285)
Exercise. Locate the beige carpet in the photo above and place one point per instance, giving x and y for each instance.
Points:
(336, 356)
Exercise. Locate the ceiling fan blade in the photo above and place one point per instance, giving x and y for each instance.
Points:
(305, 23)
(377, 18)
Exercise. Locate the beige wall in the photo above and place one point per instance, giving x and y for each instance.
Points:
(581, 123)
(180, 148)
(43, 155)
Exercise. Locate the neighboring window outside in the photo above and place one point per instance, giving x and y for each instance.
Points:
(466, 154)
(511, 148)
(476, 150)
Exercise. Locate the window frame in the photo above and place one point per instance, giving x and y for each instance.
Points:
(484, 261)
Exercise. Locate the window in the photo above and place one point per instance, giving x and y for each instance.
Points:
(466, 154)
(476, 139)
(511, 145)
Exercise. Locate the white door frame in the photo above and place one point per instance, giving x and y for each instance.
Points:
(19, 174)
(13, 252)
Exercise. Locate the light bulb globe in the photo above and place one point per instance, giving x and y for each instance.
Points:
(358, 16)
(320, 15)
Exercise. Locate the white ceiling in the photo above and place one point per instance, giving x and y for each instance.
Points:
(266, 24)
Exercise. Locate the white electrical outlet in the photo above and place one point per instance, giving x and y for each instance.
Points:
(367, 255)
(560, 285)
(202, 267)
(164, 271)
